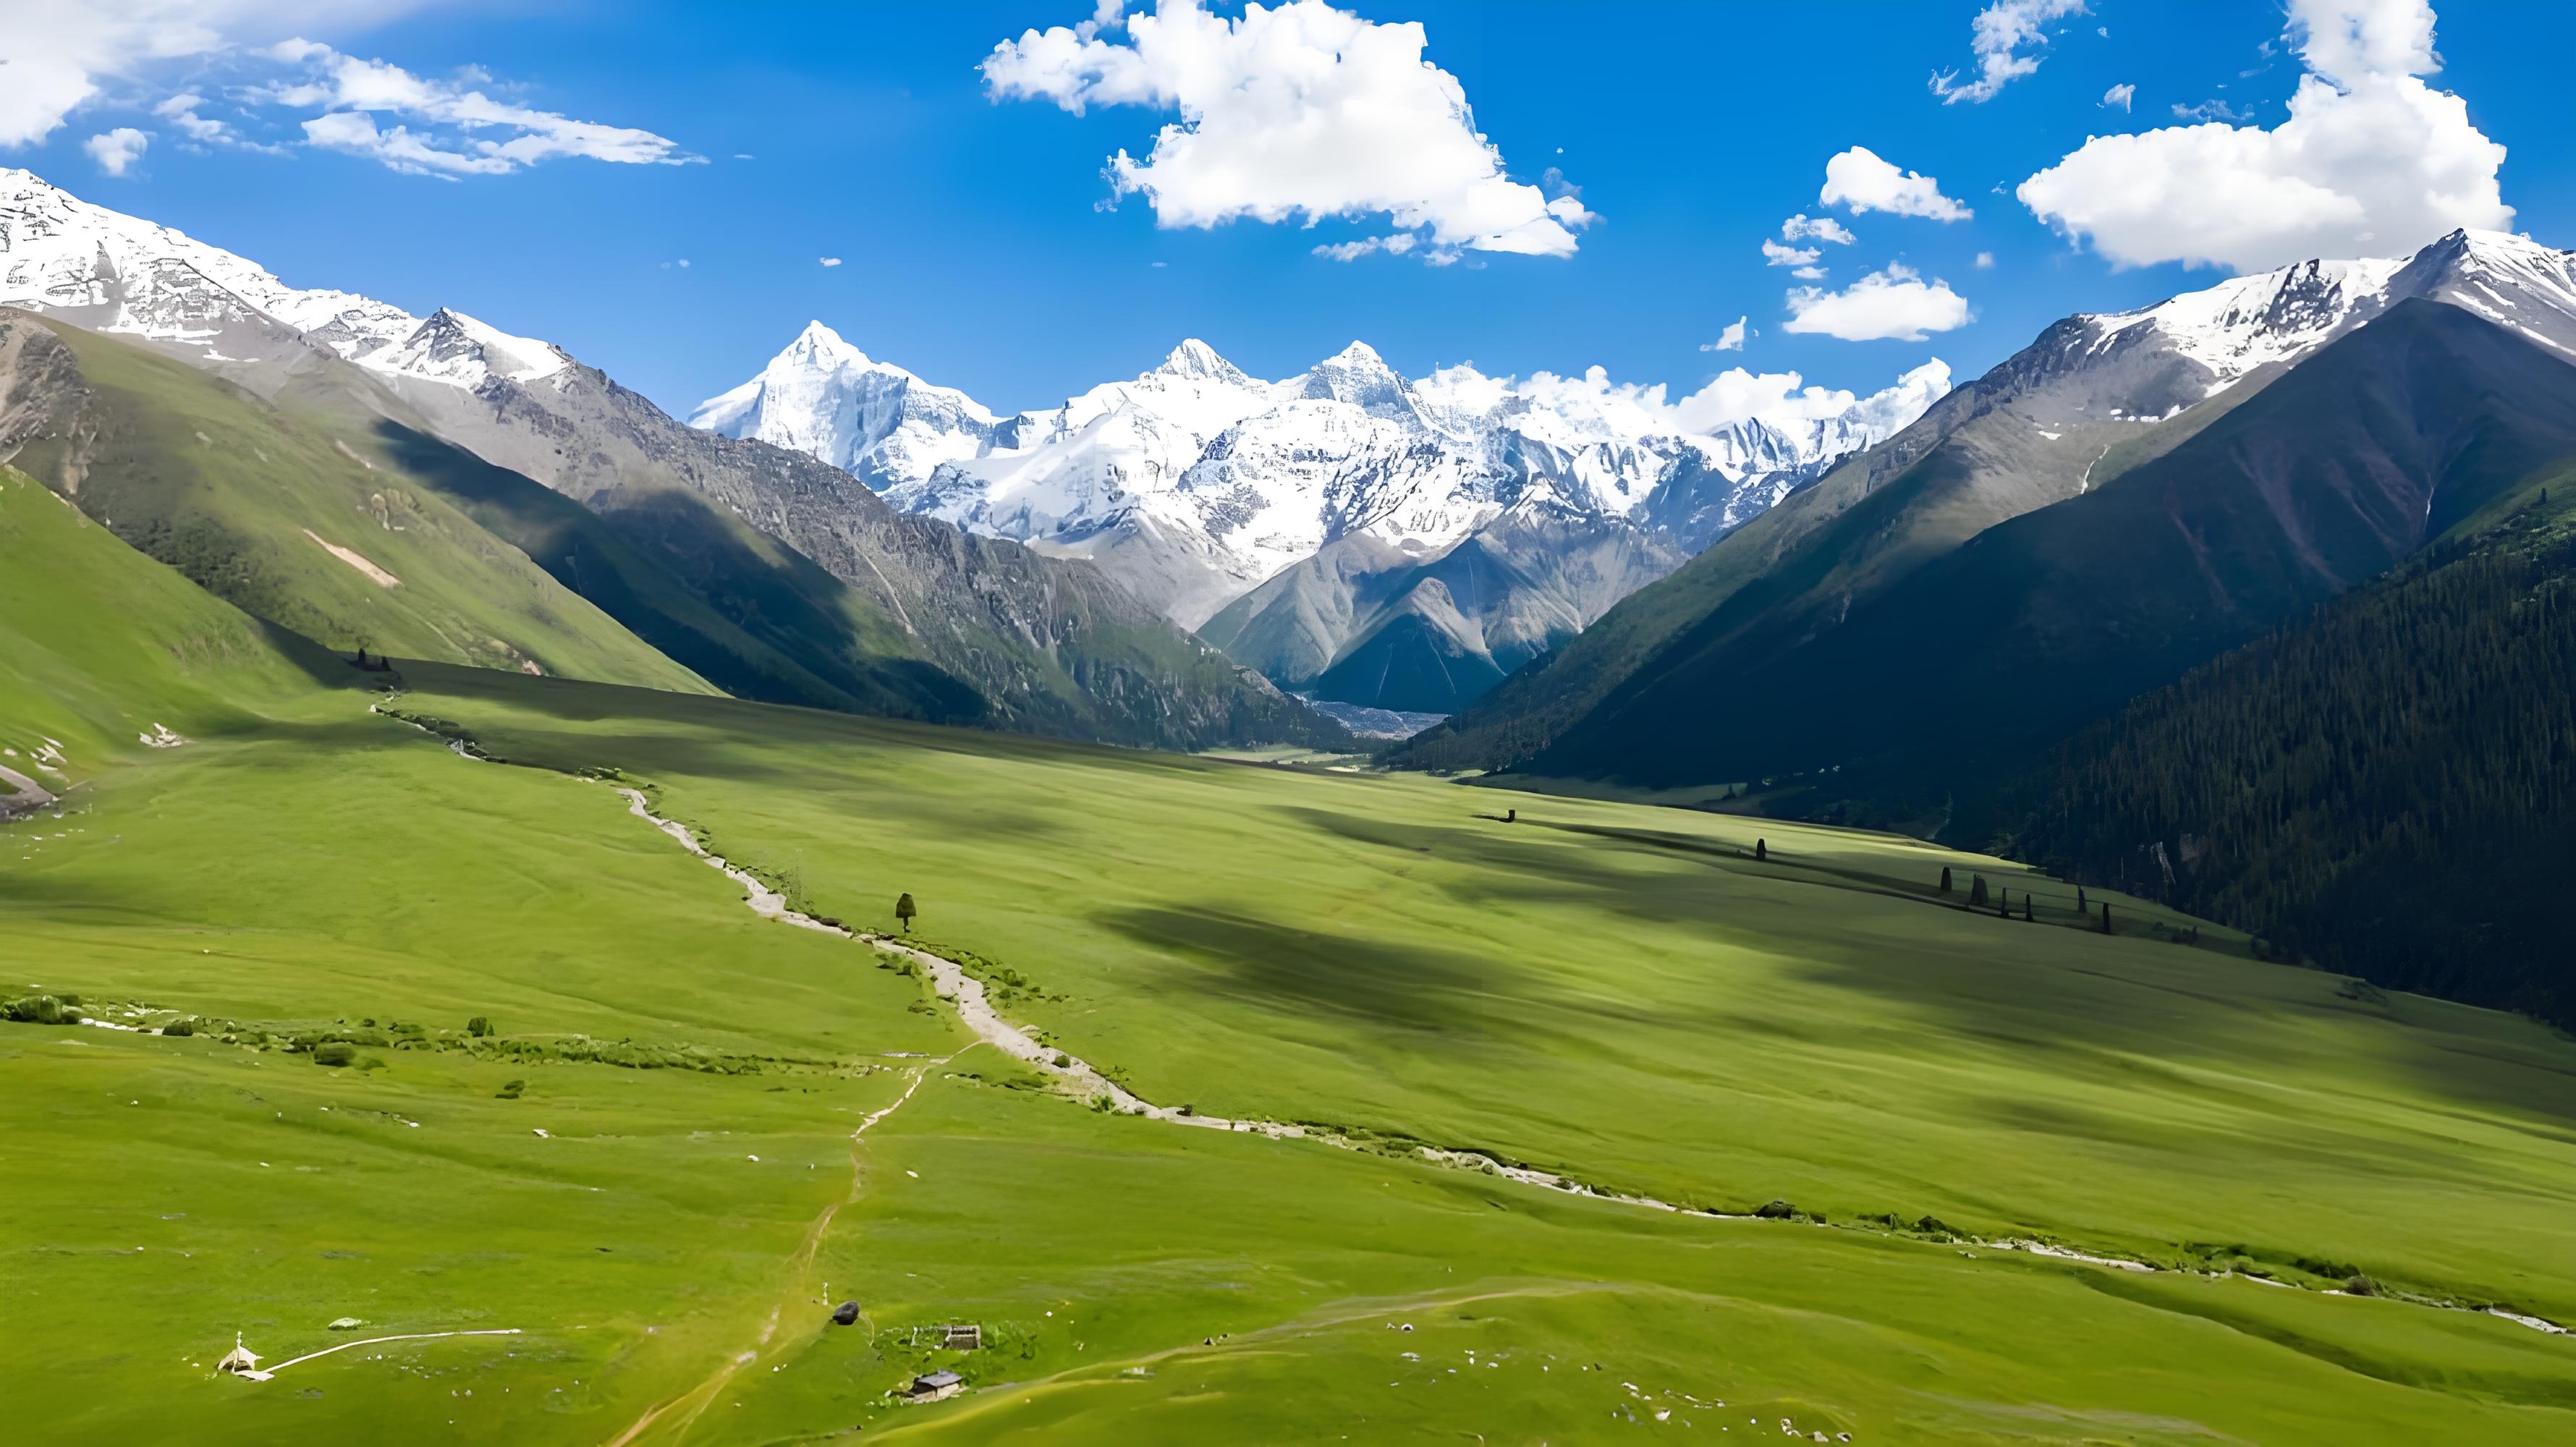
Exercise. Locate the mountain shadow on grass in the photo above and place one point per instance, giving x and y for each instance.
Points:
(1336, 978)
(749, 615)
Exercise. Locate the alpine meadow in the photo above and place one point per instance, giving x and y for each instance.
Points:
(1993, 870)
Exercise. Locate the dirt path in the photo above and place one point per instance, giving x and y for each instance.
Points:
(373, 1340)
(1001, 1396)
(694, 1402)
(966, 993)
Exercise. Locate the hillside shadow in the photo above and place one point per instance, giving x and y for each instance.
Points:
(1425, 994)
(695, 584)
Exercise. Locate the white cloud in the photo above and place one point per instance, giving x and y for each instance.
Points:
(1860, 180)
(1891, 305)
(1775, 254)
(2211, 110)
(462, 121)
(2123, 95)
(67, 55)
(66, 52)
(1298, 112)
(1729, 340)
(1782, 399)
(2002, 32)
(829, 260)
(183, 111)
(1395, 245)
(1809, 273)
(2372, 161)
(116, 151)
(1985, 261)
(1822, 228)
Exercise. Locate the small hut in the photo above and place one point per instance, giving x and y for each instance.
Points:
(241, 1361)
(935, 1386)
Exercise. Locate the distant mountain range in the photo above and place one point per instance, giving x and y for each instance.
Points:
(1391, 542)
(2127, 496)
(766, 572)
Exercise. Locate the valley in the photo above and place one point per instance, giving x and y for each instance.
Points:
(1617, 995)
(1281, 844)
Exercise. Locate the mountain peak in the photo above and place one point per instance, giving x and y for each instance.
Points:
(453, 347)
(819, 345)
(1195, 358)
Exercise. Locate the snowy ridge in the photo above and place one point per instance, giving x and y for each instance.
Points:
(1195, 481)
(2280, 316)
(828, 399)
(117, 273)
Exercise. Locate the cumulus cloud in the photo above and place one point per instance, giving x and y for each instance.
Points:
(1775, 254)
(1822, 228)
(1782, 399)
(1985, 261)
(1295, 113)
(1858, 179)
(1892, 305)
(1729, 340)
(2001, 35)
(116, 151)
(2123, 95)
(2372, 161)
(829, 260)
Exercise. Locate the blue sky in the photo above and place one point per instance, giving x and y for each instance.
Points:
(976, 248)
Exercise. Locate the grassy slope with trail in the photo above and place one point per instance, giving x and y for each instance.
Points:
(1682, 1021)
(1634, 1008)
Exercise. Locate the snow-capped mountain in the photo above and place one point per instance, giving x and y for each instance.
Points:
(829, 400)
(110, 272)
(1194, 482)
(2248, 322)
(963, 626)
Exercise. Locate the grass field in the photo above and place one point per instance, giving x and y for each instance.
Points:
(1618, 993)
(273, 510)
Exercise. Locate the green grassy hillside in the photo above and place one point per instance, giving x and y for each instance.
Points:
(690, 1131)
(283, 518)
(99, 644)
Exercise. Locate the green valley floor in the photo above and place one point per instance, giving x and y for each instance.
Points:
(1922, 1174)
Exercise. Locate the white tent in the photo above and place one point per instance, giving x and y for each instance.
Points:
(240, 1359)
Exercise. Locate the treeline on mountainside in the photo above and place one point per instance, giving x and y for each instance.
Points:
(2386, 787)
